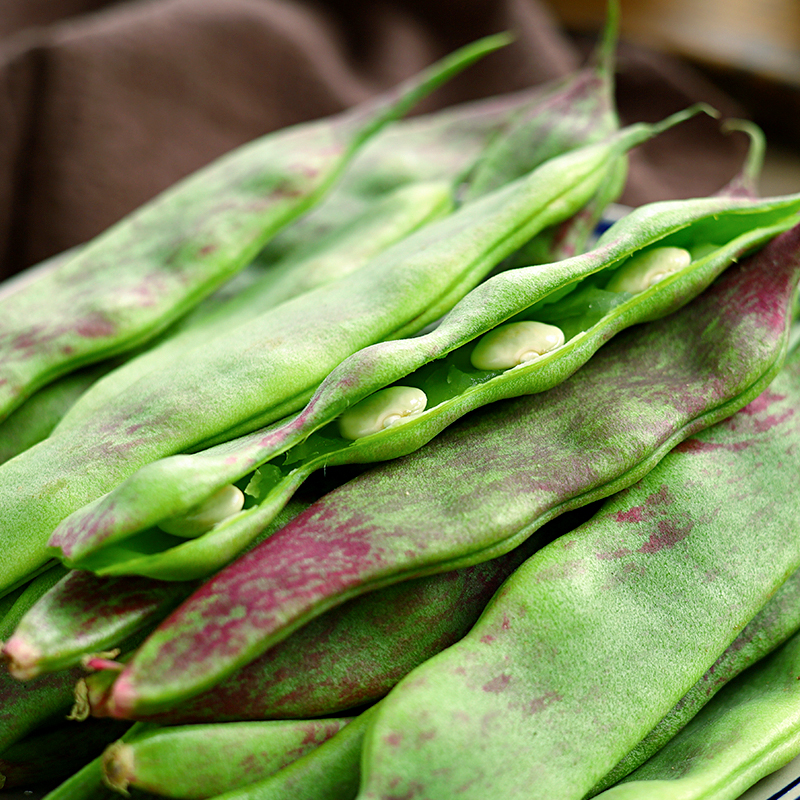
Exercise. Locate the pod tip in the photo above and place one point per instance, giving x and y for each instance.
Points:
(118, 767)
(22, 658)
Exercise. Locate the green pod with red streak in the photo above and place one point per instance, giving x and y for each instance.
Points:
(409, 285)
(750, 729)
(25, 597)
(201, 761)
(84, 614)
(71, 616)
(770, 628)
(147, 270)
(331, 772)
(286, 453)
(56, 753)
(592, 641)
(486, 484)
(353, 654)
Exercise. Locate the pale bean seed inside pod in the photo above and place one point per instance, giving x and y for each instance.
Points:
(381, 410)
(643, 270)
(515, 343)
(228, 501)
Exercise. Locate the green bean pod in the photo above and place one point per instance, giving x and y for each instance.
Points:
(588, 314)
(320, 261)
(594, 639)
(146, 271)
(202, 761)
(770, 628)
(410, 285)
(485, 485)
(750, 729)
(331, 772)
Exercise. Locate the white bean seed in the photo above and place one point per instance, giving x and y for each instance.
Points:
(643, 270)
(388, 407)
(509, 345)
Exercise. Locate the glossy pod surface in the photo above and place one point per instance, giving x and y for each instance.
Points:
(487, 484)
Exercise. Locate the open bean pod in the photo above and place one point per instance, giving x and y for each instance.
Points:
(410, 285)
(171, 410)
(487, 483)
(585, 297)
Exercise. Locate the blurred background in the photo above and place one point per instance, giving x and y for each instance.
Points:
(103, 104)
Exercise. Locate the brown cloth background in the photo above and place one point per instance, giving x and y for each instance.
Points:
(103, 104)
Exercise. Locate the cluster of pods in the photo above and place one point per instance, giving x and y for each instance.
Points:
(578, 535)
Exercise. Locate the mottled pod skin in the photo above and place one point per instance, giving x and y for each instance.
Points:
(354, 653)
(591, 642)
(85, 614)
(328, 257)
(750, 729)
(147, 270)
(409, 285)
(773, 625)
(488, 483)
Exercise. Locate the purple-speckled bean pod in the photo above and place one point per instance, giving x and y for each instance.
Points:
(488, 483)
(354, 653)
(150, 268)
(592, 641)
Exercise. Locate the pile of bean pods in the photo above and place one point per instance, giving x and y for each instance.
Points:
(356, 466)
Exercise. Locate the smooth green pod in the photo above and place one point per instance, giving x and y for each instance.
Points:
(587, 313)
(485, 485)
(149, 269)
(408, 286)
(750, 729)
(202, 761)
